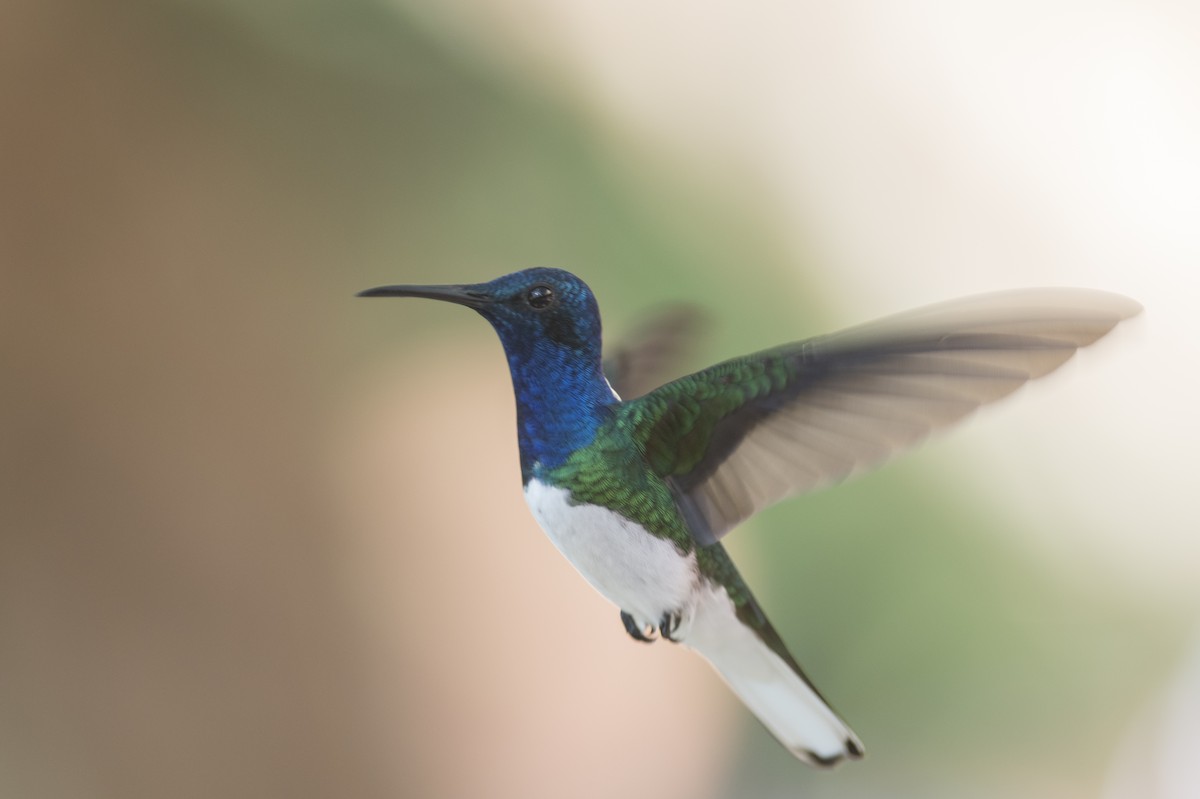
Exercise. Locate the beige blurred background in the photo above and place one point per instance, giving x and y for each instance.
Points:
(262, 539)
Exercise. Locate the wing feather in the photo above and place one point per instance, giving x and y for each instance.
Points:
(749, 432)
(653, 352)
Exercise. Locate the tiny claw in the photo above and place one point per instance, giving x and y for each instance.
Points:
(635, 632)
(668, 625)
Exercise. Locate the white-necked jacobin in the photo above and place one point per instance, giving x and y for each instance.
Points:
(637, 494)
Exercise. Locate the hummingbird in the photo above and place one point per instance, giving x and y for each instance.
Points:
(638, 493)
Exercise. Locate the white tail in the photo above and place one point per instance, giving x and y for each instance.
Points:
(777, 694)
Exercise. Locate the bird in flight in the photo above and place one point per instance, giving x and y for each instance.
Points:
(637, 494)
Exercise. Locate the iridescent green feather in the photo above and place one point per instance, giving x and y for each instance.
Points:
(613, 472)
(676, 422)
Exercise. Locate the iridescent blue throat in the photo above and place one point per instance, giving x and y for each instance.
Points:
(562, 399)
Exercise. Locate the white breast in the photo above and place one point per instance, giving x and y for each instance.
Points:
(641, 574)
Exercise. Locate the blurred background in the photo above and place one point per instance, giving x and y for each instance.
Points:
(259, 538)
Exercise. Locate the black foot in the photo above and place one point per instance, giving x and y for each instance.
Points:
(668, 624)
(634, 631)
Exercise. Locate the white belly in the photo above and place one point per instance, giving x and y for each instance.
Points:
(642, 575)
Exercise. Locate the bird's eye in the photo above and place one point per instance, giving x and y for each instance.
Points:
(540, 297)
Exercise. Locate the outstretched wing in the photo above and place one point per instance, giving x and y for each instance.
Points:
(655, 351)
(746, 433)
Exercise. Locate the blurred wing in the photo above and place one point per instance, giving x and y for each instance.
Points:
(653, 353)
(749, 432)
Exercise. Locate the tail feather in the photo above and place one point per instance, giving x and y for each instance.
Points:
(772, 686)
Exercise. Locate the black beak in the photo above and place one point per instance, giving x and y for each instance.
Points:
(470, 296)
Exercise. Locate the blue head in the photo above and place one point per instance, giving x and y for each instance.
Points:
(549, 324)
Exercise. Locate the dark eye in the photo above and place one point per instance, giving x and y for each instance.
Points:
(540, 297)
